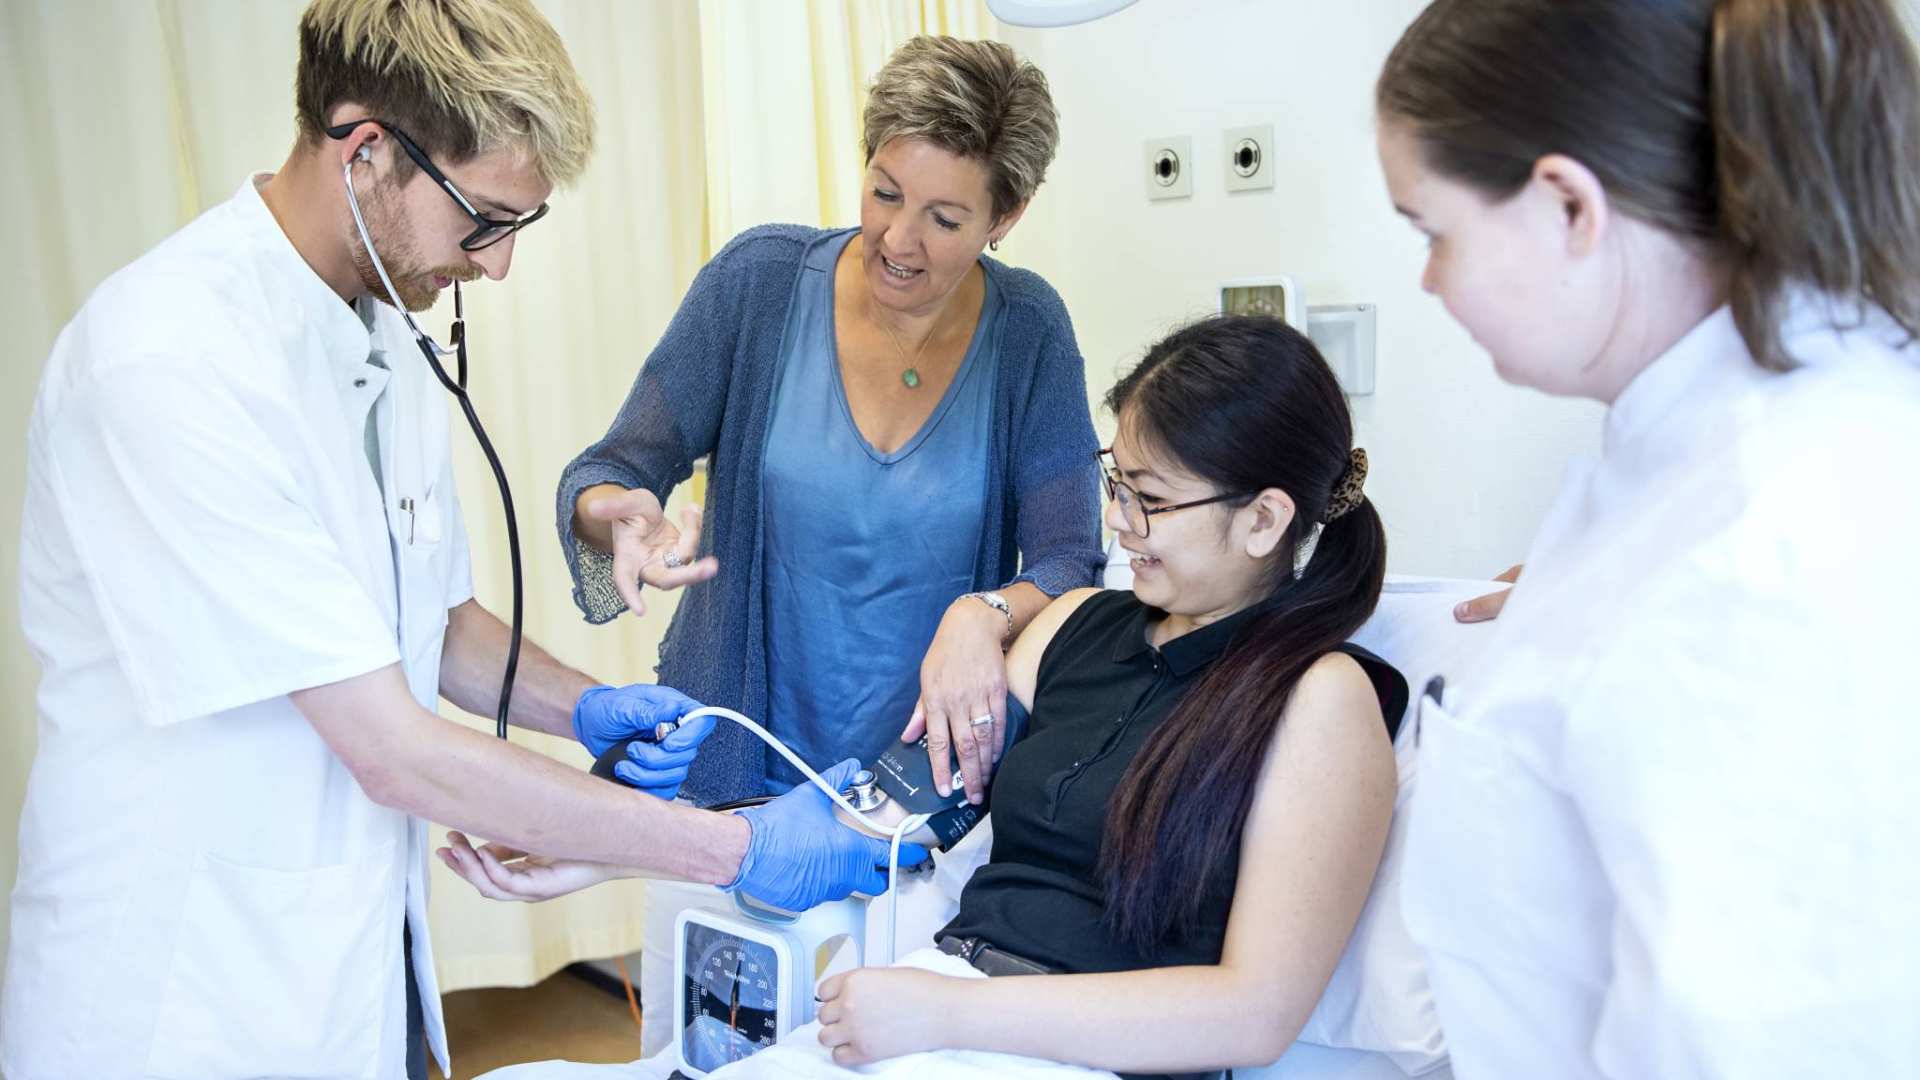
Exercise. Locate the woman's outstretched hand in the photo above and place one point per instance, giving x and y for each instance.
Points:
(646, 547)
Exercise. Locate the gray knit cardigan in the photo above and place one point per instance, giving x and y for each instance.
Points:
(707, 390)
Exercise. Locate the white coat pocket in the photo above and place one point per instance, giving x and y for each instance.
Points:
(330, 939)
(427, 529)
(1483, 805)
(414, 522)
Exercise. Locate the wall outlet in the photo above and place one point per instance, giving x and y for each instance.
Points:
(1249, 157)
(1169, 167)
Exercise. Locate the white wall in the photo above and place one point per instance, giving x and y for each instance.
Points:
(1463, 465)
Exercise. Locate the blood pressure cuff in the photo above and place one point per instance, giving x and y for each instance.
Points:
(950, 826)
(906, 775)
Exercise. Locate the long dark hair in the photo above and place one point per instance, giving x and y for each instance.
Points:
(1244, 402)
(1783, 134)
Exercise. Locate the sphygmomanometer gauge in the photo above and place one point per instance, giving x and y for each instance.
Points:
(731, 997)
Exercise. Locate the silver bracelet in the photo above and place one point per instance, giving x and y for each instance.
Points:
(998, 603)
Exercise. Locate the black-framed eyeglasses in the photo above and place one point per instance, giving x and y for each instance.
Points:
(488, 231)
(1137, 514)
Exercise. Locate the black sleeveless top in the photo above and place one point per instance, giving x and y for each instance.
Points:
(1101, 691)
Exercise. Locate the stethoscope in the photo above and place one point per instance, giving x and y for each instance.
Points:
(458, 388)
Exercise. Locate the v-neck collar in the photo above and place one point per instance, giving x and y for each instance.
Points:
(826, 258)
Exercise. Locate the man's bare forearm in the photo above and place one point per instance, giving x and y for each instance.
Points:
(475, 657)
(490, 788)
(410, 759)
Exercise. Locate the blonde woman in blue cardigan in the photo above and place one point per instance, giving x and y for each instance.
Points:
(901, 451)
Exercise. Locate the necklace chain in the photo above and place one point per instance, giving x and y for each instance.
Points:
(911, 375)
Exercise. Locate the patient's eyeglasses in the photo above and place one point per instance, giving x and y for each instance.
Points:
(1138, 515)
(487, 231)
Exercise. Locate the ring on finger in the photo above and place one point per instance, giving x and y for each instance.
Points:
(672, 560)
(983, 720)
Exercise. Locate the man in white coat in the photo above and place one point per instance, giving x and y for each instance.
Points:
(245, 575)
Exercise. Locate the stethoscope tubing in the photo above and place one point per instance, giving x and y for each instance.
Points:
(458, 388)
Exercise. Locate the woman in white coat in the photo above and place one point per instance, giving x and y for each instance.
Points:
(1666, 827)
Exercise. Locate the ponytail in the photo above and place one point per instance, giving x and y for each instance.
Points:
(1782, 135)
(1178, 813)
(1816, 122)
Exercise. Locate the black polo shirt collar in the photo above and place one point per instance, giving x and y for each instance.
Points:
(1189, 652)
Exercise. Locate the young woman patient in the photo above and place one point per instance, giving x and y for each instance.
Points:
(1185, 837)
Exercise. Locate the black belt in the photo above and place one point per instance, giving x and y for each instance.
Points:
(990, 960)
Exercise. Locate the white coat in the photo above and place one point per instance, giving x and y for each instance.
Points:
(1666, 824)
(204, 891)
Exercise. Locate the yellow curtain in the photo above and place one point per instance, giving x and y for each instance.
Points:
(124, 119)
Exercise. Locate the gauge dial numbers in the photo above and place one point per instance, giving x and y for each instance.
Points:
(731, 990)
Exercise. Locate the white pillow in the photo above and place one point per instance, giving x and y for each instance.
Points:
(1379, 998)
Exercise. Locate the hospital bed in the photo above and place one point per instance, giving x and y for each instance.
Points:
(1376, 1020)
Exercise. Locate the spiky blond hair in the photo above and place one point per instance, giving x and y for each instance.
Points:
(460, 77)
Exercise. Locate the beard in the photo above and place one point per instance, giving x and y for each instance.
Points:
(400, 256)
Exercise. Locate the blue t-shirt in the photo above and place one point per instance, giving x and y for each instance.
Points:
(864, 550)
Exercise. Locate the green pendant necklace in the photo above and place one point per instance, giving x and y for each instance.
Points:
(911, 376)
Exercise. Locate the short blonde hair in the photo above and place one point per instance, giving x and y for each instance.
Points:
(973, 99)
(460, 77)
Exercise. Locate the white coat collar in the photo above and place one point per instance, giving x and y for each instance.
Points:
(1652, 410)
(319, 309)
(1672, 404)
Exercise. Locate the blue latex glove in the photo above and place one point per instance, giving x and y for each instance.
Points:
(605, 716)
(659, 768)
(801, 855)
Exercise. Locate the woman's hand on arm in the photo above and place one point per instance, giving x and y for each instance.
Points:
(1056, 525)
(629, 524)
(964, 676)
